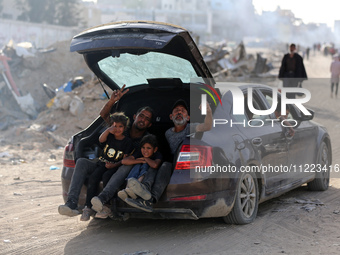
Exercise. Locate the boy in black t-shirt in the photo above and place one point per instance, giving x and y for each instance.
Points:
(147, 156)
(116, 146)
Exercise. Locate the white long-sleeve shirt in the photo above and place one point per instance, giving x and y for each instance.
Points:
(335, 71)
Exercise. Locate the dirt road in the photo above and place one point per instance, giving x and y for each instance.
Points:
(300, 222)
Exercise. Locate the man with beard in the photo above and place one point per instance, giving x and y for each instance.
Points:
(155, 181)
(85, 167)
(180, 117)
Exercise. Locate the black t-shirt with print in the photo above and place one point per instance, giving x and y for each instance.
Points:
(114, 150)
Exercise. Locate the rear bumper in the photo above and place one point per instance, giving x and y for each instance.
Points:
(216, 204)
(159, 213)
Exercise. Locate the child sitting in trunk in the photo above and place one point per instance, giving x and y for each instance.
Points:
(116, 147)
(148, 156)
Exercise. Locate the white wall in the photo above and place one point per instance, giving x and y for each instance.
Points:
(42, 35)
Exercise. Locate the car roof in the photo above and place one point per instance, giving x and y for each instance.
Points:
(223, 86)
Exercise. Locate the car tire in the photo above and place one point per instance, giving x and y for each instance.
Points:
(246, 201)
(321, 181)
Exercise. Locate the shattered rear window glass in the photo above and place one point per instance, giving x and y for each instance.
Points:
(133, 69)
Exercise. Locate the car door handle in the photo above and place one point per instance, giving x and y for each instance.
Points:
(256, 141)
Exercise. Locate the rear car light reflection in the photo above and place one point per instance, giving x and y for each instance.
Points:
(191, 156)
(191, 198)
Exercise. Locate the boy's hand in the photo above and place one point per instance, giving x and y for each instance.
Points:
(141, 159)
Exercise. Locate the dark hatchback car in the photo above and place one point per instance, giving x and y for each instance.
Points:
(160, 63)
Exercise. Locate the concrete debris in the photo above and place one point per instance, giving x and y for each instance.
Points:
(309, 201)
(25, 68)
(23, 49)
(5, 154)
(63, 97)
(62, 101)
(52, 157)
(76, 106)
(299, 201)
(33, 87)
(308, 208)
(308, 204)
(147, 252)
(233, 63)
(26, 102)
(54, 139)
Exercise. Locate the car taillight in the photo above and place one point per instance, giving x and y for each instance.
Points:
(191, 198)
(191, 156)
(69, 156)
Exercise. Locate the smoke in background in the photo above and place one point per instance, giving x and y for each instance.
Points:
(238, 20)
(231, 20)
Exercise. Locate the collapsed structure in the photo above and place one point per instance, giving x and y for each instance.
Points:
(53, 86)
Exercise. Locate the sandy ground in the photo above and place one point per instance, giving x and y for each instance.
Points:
(31, 192)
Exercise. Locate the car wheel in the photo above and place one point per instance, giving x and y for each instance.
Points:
(321, 181)
(246, 201)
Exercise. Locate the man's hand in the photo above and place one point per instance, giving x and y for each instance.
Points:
(207, 125)
(110, 165)
(117, 94)
(208, 108)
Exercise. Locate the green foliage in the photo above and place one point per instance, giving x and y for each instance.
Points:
(56, 12)
(67, 12)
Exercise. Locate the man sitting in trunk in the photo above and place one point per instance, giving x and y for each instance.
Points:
(175, 136)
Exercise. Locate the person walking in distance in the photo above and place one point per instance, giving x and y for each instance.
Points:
(292, 71)
(335, 73)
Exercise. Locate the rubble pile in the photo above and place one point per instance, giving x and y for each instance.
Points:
(47, 95)
(55, 125)
(33, 67)
(232, 63)
(40, 75)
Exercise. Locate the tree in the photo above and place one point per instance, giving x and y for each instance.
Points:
(57, 12)
(67, 12)
(1, 6)
(21, 6)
